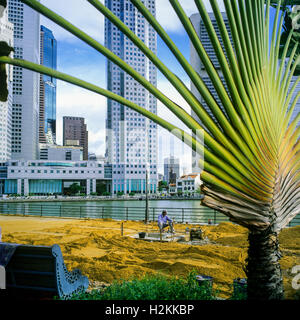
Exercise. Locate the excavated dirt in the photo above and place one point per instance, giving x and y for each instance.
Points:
(97, 248)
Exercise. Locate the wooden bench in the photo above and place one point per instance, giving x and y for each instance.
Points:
(40, 271)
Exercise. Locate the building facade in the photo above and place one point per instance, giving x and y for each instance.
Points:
(25, 104)
(131, 139)
(6, 34)
(171, 169)
(297, 90)
(61, 153)
(188, 184)
(295, 93)
(75, 134)
(47, 111)
(199, 67)
(52, 177)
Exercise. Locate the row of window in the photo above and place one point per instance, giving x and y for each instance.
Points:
(41, 164)
(134, 172)
(55, 171)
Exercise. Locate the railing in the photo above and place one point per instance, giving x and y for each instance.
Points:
(182, 215)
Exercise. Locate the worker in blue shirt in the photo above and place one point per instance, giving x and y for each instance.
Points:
(164, 221)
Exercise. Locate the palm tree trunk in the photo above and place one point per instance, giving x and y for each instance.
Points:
(263, 268)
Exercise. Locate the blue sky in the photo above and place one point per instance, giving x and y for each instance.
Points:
(78, 59)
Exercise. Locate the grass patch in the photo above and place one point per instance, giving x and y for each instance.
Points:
(153, 287)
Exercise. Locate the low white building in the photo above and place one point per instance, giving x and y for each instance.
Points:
(41, 177)
(60, 153)
(172, 188)
(188, 184)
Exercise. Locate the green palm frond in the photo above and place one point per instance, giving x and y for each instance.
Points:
(291, 26)
(283, 3)
(3, 3)
(5, 50)
(251, 150)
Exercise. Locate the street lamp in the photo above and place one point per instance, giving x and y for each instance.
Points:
(147, 200)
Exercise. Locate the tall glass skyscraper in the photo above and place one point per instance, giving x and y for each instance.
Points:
(25, 88)
(47, 116)
(131, 139)
(200, 68)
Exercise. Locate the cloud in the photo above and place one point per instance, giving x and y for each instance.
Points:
(86, 17)
(165, 87)
(80, 13)
(172, 22)
(97, 142)
(167, 143)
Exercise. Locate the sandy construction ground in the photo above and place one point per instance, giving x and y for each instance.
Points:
(98, 249)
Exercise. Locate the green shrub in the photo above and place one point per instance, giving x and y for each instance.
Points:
(239, 293)
(152, 287)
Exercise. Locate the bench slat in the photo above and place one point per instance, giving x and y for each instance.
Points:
(33, 280)
(31, 288)
(35, 256)
(34, 272)
(34, 250)
(31, 264)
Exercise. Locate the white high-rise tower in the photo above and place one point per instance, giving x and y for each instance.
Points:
(131, 138)
(6, 34)
(25, 107)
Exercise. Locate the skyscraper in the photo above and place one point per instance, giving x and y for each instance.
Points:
(296, 91)
(75, 134)
(297, 107)
(199, 67)
(171, 169)
(47, 115)
(6, 34)
(25, 107)
(131, 139)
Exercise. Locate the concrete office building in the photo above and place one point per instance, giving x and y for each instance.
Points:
(75, 134)
(25, 107)
(60, 153)
(47, 112)
(297, 107)
(6, 34)
(131, 139)
(52, 177)
(296, 91)
(199, 67)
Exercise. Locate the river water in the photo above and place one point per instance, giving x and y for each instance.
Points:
(188, 210)
(180, 210)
